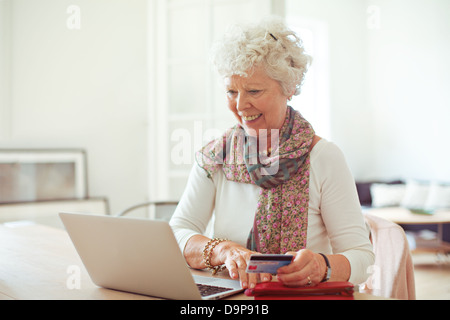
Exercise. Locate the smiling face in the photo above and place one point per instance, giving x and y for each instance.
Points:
(256, 101)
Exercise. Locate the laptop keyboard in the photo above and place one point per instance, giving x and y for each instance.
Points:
(206, 290)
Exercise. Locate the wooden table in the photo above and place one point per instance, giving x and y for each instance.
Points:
(404, 216)
(40, 262)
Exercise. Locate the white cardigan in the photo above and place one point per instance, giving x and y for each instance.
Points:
(335, 221)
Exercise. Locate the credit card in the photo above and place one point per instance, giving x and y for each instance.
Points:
(268, 263)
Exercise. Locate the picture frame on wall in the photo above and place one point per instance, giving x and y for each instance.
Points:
(42, 175)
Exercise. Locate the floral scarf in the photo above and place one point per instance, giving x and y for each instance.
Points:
(281, 217)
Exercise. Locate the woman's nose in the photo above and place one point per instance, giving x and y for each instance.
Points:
(241, 102)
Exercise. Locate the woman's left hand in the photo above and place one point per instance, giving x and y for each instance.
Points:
(306, 269)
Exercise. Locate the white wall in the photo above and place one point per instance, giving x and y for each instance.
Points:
(88, 88)
(5, 70)
(84, 89)
(349, 114)
(410, 96)
(390, 103)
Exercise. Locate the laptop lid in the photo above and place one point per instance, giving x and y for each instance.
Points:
(135, 255)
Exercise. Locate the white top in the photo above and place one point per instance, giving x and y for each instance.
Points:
(335, 221)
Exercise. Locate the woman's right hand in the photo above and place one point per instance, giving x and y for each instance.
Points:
(236, 258)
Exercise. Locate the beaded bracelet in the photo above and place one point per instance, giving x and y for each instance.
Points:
(207, 253)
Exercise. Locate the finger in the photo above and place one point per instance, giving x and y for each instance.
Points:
(265, 277)
(232, 269)
(252, 280)
(293, 266)
(241, 269)
(297, 278)
(297, 273)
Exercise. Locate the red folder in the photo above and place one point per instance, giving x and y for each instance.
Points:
(322, 291)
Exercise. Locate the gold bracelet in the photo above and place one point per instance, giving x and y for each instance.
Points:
(207, 253)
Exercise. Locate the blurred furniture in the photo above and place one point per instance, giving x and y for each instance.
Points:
(28, 175)
(404, 216)
(392, 275)
(37, 184)
(46, 212)
(421, 208)
(159, 210)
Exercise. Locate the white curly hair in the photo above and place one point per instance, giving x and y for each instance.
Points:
(269, 44)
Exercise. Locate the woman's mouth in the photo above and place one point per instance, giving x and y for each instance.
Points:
(251, 118)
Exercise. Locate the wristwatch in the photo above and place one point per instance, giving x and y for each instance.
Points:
(328, 273)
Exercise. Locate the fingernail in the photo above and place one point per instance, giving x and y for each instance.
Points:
(244, 285)
(252, 285)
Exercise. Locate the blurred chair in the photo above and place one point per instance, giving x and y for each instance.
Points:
(392, 275)
(160, 210)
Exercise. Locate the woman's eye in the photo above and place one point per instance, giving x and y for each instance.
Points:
(232, 93)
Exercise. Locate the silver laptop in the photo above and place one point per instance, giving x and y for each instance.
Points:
(139, 256)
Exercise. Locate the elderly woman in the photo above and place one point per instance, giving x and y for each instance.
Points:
(269, 184)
